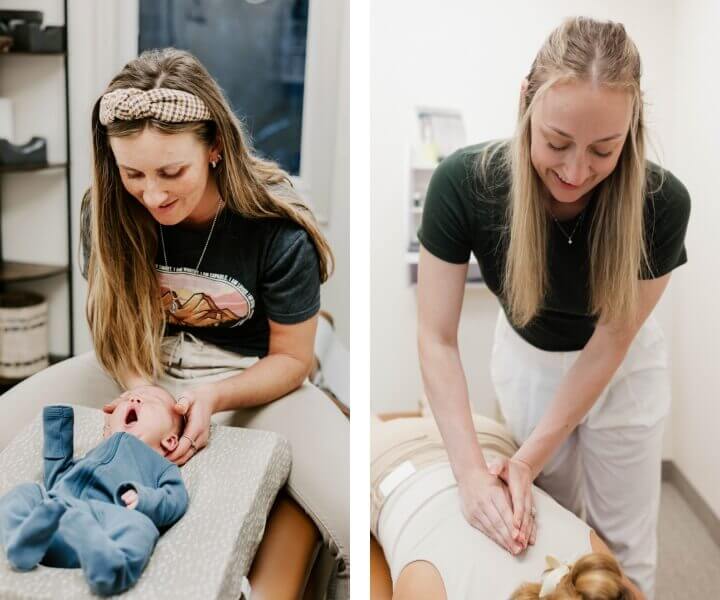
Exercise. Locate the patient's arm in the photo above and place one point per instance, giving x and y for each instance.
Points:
(57, 442)
(380, 578)
(285, 555)
(597, 544)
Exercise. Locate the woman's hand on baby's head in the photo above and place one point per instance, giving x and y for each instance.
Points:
(130, 498)
(196, 404)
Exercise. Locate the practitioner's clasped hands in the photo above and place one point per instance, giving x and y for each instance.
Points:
(489, 504)
(518, 477)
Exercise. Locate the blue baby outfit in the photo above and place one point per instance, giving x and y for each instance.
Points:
(78, 519)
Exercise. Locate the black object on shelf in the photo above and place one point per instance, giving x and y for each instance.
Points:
(31, 37)
(9, 17)
(33, 153)
(39, 167)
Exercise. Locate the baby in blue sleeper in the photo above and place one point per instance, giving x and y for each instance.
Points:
(105, 511)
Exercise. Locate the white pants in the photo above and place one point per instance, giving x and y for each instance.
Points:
(609, 468)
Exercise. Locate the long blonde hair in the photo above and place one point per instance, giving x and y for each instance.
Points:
(593, 577)
(580, 49)
(123, 305)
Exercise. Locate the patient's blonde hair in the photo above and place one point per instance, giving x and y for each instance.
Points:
(594, 577)
(124, 310)
(582, 50)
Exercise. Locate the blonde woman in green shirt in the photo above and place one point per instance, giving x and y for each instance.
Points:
(576, 233)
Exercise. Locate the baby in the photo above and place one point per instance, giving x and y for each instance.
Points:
(105, 511)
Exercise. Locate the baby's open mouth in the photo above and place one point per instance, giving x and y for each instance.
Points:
(131, 417)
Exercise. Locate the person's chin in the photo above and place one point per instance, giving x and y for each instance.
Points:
(564, 195)
(170, 216)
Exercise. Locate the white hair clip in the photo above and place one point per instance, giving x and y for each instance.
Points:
(552, 576)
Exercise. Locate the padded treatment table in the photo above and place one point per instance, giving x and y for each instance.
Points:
(232, 484)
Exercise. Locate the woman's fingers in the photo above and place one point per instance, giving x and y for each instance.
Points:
(183, 404)
(533, 532)
(485, 525)
(528, 518)
(185, 450)
(501, 518)
(112, 405)
(496, 466)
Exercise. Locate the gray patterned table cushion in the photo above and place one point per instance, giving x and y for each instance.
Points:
(232, 484)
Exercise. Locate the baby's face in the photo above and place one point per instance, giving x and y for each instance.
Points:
(147, 413)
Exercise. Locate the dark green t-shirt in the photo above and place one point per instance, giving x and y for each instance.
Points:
(463, 214)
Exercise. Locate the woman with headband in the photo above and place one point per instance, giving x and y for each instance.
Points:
(577, 234)
(204, 270)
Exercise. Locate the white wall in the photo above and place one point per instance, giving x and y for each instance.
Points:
(695, 155)
(469, 56)
(336, 292)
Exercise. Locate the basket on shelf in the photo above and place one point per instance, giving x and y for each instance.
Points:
(23, 334)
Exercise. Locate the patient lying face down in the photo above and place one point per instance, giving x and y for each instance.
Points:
(105, 511)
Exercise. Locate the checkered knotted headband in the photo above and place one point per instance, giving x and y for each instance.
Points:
(163, 104)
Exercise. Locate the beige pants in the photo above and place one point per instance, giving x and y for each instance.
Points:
(316, 429)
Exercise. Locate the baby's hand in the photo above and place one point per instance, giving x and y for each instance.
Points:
(130, 498)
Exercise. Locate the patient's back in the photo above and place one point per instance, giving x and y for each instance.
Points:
(417, 514)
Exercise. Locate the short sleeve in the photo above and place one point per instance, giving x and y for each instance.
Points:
(667, 216)
(445, 226)
(291, 280)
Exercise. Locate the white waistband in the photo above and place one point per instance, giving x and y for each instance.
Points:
(405, 499)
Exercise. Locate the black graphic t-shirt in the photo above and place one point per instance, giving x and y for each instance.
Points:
(253, 270)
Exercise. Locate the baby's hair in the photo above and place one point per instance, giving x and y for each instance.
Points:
(595, 576)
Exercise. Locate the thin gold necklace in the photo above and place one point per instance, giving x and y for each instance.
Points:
(174, 306)
(577, 224)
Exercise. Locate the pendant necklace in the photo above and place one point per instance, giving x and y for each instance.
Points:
(577, 224)
(175, 306)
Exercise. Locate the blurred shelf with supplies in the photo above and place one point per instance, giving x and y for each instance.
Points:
(441, 132)
(33, 73)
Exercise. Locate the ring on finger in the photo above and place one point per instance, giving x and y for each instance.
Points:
(533, 511)
(189, 439)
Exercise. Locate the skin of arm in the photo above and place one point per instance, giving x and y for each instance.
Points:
(287, 364)
(486, 502)
(586, 379)
(599, 546)
(442, 371)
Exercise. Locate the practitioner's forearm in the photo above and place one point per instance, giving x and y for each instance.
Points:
(576, 395)
(447, 392)
(268, 379)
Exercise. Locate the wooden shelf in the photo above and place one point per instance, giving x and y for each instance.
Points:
(7, 383)
(22, 168)
(25, 53)
(22, 271)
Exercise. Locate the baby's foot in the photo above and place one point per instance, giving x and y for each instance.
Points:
(28, 543)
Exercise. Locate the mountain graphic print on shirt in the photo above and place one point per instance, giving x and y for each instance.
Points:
(203, 299)
(255, 271)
